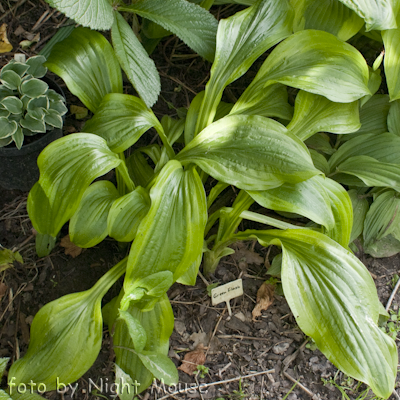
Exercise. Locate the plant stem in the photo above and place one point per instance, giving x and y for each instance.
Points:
(122, 171)
(109, 278)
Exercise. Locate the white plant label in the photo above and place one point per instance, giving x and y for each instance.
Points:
(227, 292)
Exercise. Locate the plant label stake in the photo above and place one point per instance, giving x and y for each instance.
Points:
(227, 292)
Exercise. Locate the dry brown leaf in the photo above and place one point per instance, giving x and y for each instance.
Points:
(251, 257)
(5, 45)
(192, 360)
(3, 289)
(71, 249)
(265, 297)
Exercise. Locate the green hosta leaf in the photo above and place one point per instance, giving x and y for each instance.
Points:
(88, 225)
(382, 225)
(373, 116)
(341, 77)
(38, 102)
(160, 366)
(393, 120)
(378, 14)
(36, 68)
(67, 167)
(3, 111)
(7, 127)
(36, 114)
(250, 152)
(192, 117)
(4, 395)
(135, 61)
(34, 87)
(13, 104)
(241, 39)
(306, 198)
(360, 208)
(7, 258)
(121, 120)
(158, 324)
(18, 137)
(334, 300)
(272, 102)
(126, 213)
(126, 387)
(59, 106)
(19, 68)
(96, 14)
(320, 142)
(53, 118)
(327, 15)
(87, 64)
(6, 141)
(391, 40)
(194, 25)
(384, 147)
(170, 237)
(28, 395)
(342, 212)
(10, 79)
(139, 169)
(314, 113)
(372, 172)
(319, 161)
(136, 331)
(3, 365)
(66, 336)
(32, 124)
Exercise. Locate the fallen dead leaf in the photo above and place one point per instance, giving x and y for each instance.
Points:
(265, 297)
(249, 256)
(5, 45)
(192, 360)
(71, 249)
(79, 112)
(3, 289)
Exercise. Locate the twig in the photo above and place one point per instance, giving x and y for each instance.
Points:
(206, 385)
(240, 337)
(313, 396)
(395, 394)
(389, 303)
(13, 9)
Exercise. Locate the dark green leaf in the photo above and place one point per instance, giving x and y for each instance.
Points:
(12, 104)
(36, 68)
(7, 127)
(10, 79)
(34, 87)
(360, 208)
(32, 124)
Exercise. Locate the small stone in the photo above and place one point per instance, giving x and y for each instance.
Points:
(281, 348)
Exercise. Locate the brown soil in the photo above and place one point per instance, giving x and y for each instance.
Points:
(245, 359)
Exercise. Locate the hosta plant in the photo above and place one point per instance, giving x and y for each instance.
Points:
(190, 22)
(27, 105)
(159, 201)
